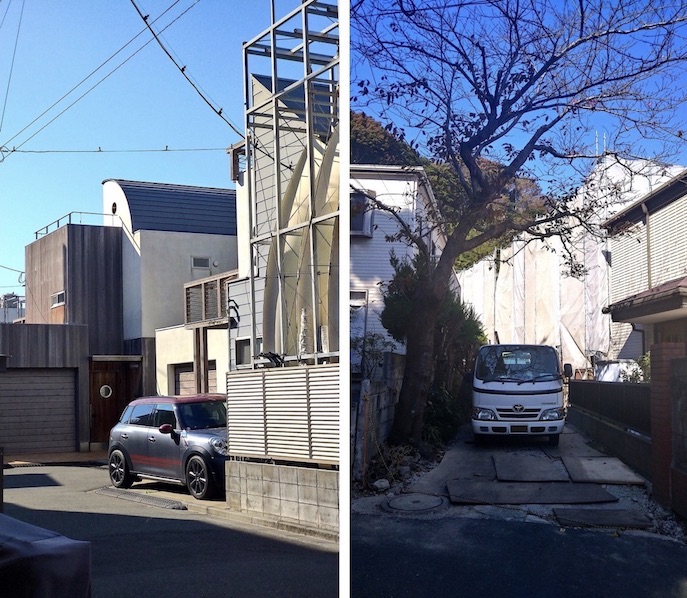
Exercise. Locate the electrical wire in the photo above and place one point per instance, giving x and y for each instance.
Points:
(14, 55)
(182, 70)
(11, 269)
(4, 151)
(119, 151)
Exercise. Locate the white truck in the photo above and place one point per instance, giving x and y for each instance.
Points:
(518, 390)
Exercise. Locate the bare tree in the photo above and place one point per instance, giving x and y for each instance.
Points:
(501, 91)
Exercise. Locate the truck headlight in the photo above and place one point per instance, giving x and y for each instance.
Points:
(553, 414)
(483, 414)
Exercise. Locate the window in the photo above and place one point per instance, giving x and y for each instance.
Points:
(244, 355)
(57, 299)
(361, 213)
(142, 415)
(165, 415)
(200, 262)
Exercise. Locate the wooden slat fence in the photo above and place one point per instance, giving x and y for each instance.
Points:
(625, 403)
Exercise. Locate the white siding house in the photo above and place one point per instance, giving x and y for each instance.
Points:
(405, 189)
(649, 265)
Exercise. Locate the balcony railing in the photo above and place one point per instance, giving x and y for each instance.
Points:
(206, 301)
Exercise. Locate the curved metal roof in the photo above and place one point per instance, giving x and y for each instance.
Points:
(180, 208)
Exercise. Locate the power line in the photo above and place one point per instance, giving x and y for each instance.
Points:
(14, 55)
(11, 269)
(6, 144)
(166, 149)
(182, 70)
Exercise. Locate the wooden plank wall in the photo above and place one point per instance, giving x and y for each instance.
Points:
(39, 346)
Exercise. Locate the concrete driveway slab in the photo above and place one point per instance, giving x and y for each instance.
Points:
(529, 468)
(598, 517)
(573, 445)
(602, 470)
(456, 464)
(520, 493)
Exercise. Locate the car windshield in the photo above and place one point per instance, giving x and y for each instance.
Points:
(206, 414)
(510, 363)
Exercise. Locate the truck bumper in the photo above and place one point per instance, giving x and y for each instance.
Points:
(502, 428)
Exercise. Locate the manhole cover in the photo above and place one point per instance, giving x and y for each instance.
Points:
(414, 503)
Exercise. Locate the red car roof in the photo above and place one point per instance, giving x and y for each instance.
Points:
(181, 399)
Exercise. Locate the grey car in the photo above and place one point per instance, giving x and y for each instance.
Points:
(182, 440)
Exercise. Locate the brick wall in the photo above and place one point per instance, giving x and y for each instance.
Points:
(663, 356)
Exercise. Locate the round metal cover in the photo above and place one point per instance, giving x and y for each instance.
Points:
(414, 503)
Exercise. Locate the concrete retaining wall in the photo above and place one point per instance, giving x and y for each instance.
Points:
(631, 448)
(303, 495)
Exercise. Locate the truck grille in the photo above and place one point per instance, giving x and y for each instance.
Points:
(525, 414)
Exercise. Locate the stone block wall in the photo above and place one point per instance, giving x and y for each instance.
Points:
(303, 495)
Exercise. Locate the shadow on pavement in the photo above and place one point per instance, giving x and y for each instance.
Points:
(139, 555)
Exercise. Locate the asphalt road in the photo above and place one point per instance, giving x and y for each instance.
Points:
(509, 550)
(140, 550)
(393, 556)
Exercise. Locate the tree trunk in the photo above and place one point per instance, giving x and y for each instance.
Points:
(418, 374)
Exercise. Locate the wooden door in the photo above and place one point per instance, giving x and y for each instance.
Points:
(112, 387)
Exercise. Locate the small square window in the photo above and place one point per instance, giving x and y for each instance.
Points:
(361, 213)
(57, 299)
(243, 356)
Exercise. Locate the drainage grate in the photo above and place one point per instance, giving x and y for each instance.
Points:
(146, 499)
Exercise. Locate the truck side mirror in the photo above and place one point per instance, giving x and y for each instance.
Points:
(567, 370)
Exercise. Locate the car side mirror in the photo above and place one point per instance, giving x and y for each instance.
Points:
(166, 429)
(567, 370)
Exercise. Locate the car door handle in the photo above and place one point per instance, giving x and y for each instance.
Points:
(151, 438)
(124, 436)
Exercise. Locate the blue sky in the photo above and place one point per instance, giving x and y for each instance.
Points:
(146, 104)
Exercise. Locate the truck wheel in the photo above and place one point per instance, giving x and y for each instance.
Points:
(480, 439)
(554, 439)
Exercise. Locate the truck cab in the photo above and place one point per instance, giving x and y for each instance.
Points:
(518, 390)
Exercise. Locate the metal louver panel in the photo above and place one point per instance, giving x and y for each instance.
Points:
(211, 300)
(194, 304)
(206, 300)
(285, 413)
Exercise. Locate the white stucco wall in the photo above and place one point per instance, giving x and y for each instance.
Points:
(166, 266)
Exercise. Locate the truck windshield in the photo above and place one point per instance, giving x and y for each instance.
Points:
(512, 363)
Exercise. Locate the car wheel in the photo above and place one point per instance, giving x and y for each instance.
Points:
(554, 439)
(198, 478)
(120, 476)
(479, 439)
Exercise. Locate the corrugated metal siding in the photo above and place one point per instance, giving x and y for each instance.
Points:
(285, 413)
(669, 242)
(180, 208)
(629, 265)
(38, 410)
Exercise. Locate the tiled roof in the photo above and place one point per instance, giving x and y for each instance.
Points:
(180, 208)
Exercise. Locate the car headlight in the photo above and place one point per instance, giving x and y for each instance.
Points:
(483, 414)
(219, 445)
(552, 414)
